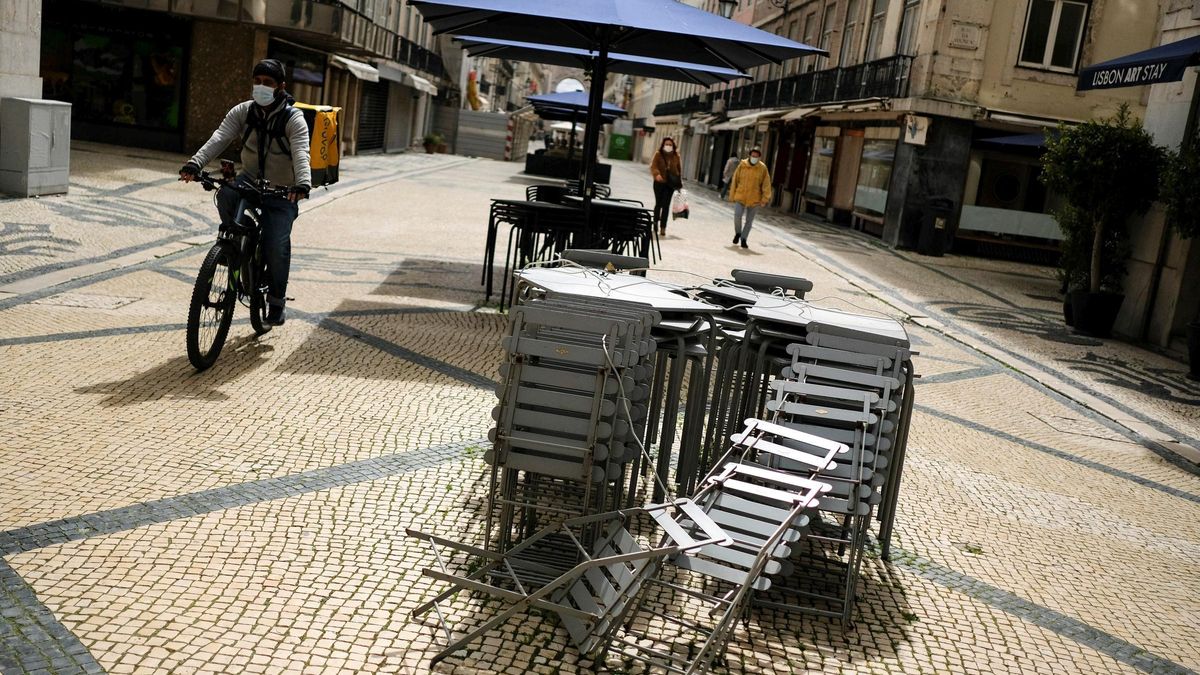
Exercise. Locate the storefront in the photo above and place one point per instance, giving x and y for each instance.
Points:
(123, 71)
(850, 174)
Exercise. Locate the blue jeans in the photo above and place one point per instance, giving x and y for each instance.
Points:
(739, 210)
(276, 219)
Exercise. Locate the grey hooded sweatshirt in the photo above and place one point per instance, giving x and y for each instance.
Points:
(281, 170)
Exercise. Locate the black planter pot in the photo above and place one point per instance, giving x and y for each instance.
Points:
(1193, 343)
(1094, 313)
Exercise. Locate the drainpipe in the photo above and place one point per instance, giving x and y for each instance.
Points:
(1164, 239)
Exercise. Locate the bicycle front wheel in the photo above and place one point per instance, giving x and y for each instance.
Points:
(211, 309)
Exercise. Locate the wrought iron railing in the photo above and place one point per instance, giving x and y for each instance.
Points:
(885, 78)
(413, 54)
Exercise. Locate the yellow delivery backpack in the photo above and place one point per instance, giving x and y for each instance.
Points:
(323, 123)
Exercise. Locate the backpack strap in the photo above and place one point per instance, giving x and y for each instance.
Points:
(273, 129)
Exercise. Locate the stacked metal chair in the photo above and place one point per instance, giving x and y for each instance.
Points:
(854, 391)
(572, 401)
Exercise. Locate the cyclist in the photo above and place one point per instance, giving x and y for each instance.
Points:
(275, 145)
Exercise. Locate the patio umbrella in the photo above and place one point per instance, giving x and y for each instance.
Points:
(624, 64)
(571, 100)
(660, 29)
(570, 106)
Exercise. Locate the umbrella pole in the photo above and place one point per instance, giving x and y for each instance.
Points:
(571, 148)
(591, 130)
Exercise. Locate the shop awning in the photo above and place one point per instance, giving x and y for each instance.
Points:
(800, 112)
(1164, 63)
(421, 84)
(746, 120)
(362, 71)
(394, 72)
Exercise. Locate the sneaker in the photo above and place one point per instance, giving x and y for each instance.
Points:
(275, 315)
(737, 238)
(744, 244)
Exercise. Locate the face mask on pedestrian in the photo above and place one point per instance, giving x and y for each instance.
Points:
(753, 161)
(668, 148)
(263, 95)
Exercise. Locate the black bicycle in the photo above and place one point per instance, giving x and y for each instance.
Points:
(235, 270)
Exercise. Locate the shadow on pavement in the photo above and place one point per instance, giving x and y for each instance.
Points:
(436, 280)
(177, 379)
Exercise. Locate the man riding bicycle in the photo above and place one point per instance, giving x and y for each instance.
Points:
(274, 147)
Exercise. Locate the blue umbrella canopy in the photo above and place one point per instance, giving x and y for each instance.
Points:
(625, 64)
(661, 29)
(657, 29)
(571, 100)
(569, 115)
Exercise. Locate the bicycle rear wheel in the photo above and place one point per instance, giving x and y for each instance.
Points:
(256, 289)
(211, 309)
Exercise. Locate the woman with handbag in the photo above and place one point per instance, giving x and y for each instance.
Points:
(667, 171)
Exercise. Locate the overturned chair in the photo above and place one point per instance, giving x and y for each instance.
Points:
(715, 549)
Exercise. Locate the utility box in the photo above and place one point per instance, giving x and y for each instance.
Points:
(35, 146)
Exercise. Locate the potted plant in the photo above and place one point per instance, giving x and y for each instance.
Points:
(1181, 196)
(1075, 257)
(431, 142)
(1107, 170)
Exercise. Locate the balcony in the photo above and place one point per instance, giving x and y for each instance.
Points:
(413, 54)
(885, 78)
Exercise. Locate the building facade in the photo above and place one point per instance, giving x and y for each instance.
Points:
(923, 124)
(162, 73)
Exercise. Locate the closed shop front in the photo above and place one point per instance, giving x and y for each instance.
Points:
(372, 116)
(122, 71)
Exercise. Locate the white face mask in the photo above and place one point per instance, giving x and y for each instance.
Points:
(668, 148)
(753, 161)
(263, 95)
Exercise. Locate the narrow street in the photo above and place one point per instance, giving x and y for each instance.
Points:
(251, 518)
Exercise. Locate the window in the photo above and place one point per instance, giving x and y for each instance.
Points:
(874, 176)
(848, 55)
(793, 66)
(875, 29)
(908, 28)
(810, 37)
(820, 168)
(1053, 33)
(827, 29)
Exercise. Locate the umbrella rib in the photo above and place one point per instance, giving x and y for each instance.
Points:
(458, 28)
(720, 57)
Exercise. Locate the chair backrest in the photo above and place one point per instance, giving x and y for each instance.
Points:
(545, 193)
(761, 281)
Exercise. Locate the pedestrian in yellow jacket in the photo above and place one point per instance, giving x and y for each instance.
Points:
(749, 189)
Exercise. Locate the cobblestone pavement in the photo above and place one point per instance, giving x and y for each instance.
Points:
(250, 519)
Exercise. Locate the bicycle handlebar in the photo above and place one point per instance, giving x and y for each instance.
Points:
(254, 189)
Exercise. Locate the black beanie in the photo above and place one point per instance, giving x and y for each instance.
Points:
(271, 68)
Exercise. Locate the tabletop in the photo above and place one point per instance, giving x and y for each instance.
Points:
(662, 296)
(800, 313)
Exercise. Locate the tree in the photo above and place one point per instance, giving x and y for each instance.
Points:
(1107, 170)
(1181, 188)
